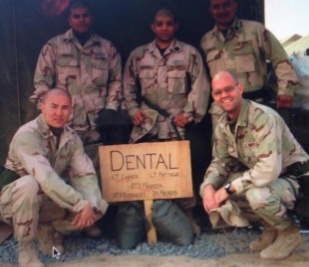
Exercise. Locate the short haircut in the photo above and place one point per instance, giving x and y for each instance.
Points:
(79, 4)
(164, 12)
(58, 91)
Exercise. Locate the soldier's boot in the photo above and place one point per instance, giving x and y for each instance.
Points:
(287, 241)
(48, 238)
(93, 231)
(28, 255)
(268, 237)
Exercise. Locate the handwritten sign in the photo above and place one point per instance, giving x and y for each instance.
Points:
(146, 171)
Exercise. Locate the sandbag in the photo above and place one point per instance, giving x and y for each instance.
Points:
(171, 223)
(130, 225)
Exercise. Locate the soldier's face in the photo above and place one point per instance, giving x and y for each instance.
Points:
(227, 94)
(223, 12)
(56, 110)
(80, 20)
(164, 27)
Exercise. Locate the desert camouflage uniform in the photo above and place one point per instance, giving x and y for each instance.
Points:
(175, 82)
(253, 156)
(244, 53)
(34, 156)
(91, 73)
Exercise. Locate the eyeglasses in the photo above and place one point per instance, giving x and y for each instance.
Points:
(226, 89)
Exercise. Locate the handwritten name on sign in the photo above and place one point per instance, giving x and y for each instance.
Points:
(146, 171)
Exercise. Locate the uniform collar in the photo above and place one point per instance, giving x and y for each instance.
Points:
(175, 46)
(69, 37)
(236, 26)
(46, 133)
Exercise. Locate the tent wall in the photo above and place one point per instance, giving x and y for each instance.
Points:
(24, 28)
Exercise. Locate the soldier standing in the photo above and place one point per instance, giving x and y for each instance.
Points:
(86, 65)
(243, 47)
(252, 148)
(169, 77)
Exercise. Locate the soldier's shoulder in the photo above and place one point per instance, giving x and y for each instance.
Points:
(208, 34)
(27, 133)
(188, 47)
(251, 24)
(139, 51)
(57, 39)
(261, 112)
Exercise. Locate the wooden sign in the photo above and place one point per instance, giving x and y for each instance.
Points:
(146, 171)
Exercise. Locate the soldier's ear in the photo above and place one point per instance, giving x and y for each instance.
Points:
(176, 27)
(152, 27)
(240, 88)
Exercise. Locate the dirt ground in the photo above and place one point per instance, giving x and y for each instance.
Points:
(298, 259)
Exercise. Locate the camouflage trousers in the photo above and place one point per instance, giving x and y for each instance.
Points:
(269, 204)
(24, 205)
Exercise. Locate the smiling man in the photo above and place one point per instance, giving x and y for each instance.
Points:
(252, 148)
(244, 47)
(40, 204)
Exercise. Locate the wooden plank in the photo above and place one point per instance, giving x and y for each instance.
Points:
(151, 233)
(146, 171)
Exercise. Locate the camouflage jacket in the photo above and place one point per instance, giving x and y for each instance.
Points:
(91, 73)
(261, 144)
(33, 152)
(244, 53)
(175, 82)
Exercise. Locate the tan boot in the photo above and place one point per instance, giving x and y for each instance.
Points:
(46, 238)
(93, 231)
(28, 255)
(287, 241)
(268, 237)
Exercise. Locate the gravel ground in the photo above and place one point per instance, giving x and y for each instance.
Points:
(210, 245)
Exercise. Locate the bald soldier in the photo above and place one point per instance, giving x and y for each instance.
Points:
(252, 177)
(41, 154)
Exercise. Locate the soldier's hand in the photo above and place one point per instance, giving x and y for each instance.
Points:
(284, 101)
(180, 120)
(138, 118)
(84, 218)
(221, 195)
(209, 201)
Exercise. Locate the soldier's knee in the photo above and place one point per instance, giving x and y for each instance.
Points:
(27, 187)
(259, 197)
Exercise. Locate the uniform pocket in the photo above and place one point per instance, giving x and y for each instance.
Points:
(67, 69)
(244, 59)
(176, 81)
(146, 77)
(99, 71)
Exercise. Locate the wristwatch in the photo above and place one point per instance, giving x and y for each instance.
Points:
(227, 188)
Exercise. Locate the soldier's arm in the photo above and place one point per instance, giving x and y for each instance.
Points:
(130, 86)
(28, 149)
(286, 78)
(221, 164)
(114, 87)
(82, 175)
(199, 90)
(44, 76)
